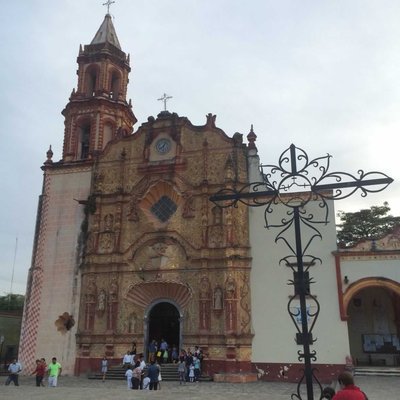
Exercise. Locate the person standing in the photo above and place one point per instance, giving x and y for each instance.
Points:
(197, 371)
(39, 371)
(182, 371)
(14, 369)
(142, 367)
(104, 367)
(136, 373)
(129, 374)
(54, 370)
(348, 391)
(153, 373)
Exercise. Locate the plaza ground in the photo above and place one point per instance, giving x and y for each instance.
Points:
(73, 388)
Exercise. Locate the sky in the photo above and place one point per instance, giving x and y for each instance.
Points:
(323, 75)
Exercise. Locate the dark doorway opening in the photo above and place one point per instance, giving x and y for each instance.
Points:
(164, 324)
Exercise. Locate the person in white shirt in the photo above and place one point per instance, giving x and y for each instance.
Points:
(14, 369)
(127, 360)
(129, 374)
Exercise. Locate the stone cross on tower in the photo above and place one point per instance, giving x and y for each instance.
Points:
(108, 4)
(293, 183)
(165, 98)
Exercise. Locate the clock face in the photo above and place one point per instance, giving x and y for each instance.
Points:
(163, 145)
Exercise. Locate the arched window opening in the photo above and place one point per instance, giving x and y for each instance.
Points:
(91, 81)
(84, 141)
(115, 85)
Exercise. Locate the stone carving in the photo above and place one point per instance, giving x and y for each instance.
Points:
(230, 304)
(204, 304)
(188, 206)
(133, 210)
(245, 304)
(165, 254)
(204, 288)
(108, 222)
(230, 288)
(101, 300)
(106, 242)
(112, 305)
(90, 303)
(218, 298)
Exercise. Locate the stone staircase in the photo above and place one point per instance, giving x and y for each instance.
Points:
(169, 372)
(377, 371)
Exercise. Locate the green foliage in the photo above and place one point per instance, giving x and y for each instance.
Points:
(372, 223)
(12, 302)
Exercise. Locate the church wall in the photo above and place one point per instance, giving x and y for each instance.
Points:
(61, 285)
(361, 266)
(274, 350)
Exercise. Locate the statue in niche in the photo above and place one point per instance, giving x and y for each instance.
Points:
(91, 289)
(230, 288)
(204, 288)
(107, 241)
(188, 206)
(218, 298)
(113, 291)
(132, 323)
(108, 222)
(101, 300)
(217, 216)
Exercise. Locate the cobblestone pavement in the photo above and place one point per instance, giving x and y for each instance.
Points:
(73, 388)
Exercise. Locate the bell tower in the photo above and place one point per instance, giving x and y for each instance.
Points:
(98, 112)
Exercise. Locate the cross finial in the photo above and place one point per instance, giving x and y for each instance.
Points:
(108, 4)
(165, 98)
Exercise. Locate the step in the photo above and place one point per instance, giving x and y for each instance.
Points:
(377, 371)
(169, 373)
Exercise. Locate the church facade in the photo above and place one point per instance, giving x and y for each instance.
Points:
(128, 248)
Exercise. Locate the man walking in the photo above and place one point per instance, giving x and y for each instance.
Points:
(14, 369)
(54, 372)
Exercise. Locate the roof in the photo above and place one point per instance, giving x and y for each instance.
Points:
(106, 33)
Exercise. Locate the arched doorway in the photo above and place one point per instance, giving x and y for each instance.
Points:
(164, 322)
(373, 326)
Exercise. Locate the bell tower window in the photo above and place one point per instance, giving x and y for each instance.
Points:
(84, 141)
(115, 85)
(91, 82)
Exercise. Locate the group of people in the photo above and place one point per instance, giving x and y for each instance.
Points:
(53, 371)
(139, 375)
(162, 352)
(348, 390)
(189, 365)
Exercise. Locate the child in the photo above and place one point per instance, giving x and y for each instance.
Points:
(129, 374)
(182, 371)
(191, 373)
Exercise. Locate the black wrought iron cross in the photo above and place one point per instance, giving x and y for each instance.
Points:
(294, 182)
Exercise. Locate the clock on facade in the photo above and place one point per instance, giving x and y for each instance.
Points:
(163, 145)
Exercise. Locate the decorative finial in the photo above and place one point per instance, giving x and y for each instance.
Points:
(49, 155)
(165, 98)
(108, 4)
(251, 137)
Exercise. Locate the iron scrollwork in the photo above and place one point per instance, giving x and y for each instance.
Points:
(294, 182)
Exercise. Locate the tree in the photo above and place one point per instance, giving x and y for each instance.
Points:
(372, 223)
(12, 302)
